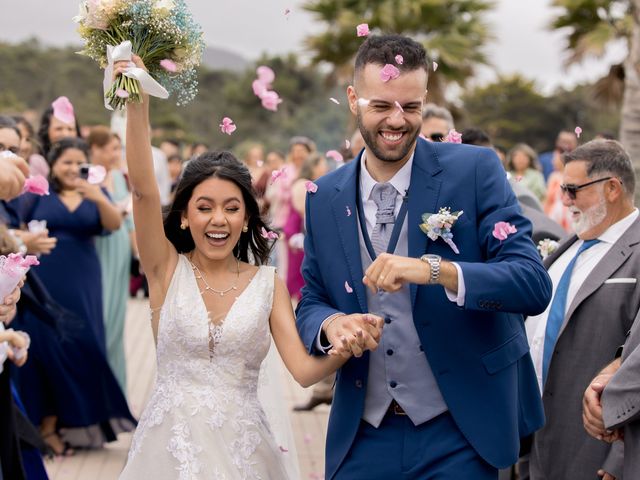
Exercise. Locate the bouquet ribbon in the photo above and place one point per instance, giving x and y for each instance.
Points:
(123, 52)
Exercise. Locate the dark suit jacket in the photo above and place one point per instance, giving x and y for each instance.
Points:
(598, 319)
(621, 402)
(479, 353)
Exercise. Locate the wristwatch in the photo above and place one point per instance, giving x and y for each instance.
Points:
(434, 264)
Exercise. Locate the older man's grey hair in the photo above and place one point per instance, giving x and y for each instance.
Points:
(606, 158)
(431, 110)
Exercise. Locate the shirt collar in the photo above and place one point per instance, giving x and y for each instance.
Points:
(615, 231)
(400, 180)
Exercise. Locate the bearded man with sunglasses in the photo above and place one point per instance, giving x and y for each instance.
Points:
(595, 300)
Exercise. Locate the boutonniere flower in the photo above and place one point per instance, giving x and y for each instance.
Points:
(439, 225)
(546, 247)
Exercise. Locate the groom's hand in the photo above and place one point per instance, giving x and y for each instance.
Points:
(353, 334)
(390, 272)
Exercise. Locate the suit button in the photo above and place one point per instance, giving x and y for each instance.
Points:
(389, 352)
(421, 348)
(393, 384)
(387, 320)
(358, 383)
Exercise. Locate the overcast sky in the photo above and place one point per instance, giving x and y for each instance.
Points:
(251, 27)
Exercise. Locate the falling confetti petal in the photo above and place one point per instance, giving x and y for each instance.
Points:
(435, 66)
(363, 102)
(276, 174)
(453, 137)
(36, 184)
(335, 100)
(227, 126)
(398, 106)
(347, 287)
(97, 173)
(362, 30)
(501, 230)
(399, 59)
(268, 234)
(169, 65)
(122, 93)
(283, 450)
(311, 187)
(287, 11)
(348, 211)
(336, 155)
(389, 72)
(519, 178)
(347, 144)
(578, 131)
(266, 75)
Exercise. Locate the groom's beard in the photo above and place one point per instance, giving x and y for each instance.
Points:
(371, 140)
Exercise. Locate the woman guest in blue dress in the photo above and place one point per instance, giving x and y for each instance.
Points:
(76, 212)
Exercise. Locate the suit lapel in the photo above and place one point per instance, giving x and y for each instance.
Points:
(612, 261)
(347, 227)
(424, 191)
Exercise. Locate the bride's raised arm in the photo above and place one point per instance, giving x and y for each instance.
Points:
(157, 255)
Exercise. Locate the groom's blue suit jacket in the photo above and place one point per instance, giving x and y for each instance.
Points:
(478, 353)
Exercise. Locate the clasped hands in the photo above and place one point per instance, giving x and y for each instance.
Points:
(354, 334)
(592, 411)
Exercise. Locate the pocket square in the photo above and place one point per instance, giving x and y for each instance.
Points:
(621, 280)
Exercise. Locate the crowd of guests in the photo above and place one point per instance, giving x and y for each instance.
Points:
(71, 393)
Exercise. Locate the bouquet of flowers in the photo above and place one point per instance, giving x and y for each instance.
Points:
(161, 32)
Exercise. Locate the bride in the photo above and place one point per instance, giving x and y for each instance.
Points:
(212, 315)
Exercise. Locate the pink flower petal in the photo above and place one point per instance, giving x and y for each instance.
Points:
(362, 30)
(398, 106)
(347, 287)
(283, 450)
(63, 110)
(287, 11)
(276, 174)
(578, 131)
(347, 144)
(501, 230)
(389, 72)
(265, 75)
(348, 211)
(227, 126)
(519, 178)
(271, 100)
(169, 65)
(264, 233)
(97, 174)
(36, 184)
(453, 137)
(335, 100)
(310, 186)
(122, 93)
(399, 59)
(435, 66)
(259, 88)
(336, 155)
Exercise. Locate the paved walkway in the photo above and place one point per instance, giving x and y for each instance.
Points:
(105, 464)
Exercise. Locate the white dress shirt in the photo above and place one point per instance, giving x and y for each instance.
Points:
(586, 262)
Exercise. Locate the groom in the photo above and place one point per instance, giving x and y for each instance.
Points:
(450, 389)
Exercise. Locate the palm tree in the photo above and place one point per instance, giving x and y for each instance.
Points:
(592, 26)
(452, 31)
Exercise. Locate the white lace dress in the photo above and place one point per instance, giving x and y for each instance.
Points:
(204, 419)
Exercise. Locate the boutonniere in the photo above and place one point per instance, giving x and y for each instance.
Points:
(439, 225)
(546, 247)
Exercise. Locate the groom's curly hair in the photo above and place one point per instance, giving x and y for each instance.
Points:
(383, 49)
(225, 166)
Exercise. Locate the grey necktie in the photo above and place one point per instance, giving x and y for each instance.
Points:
(384, 195)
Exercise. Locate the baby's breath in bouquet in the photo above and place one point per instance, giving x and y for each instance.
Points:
(161, 32)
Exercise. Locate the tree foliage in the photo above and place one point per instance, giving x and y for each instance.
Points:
(452, 31)
(33, 75)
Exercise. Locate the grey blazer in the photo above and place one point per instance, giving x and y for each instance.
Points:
(596, 324)
(621, 402)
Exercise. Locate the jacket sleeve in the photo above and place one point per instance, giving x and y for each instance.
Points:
(512, 277)
(315, 305)
(621, 396)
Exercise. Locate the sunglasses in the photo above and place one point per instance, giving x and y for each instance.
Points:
(572, 190)
(436, 137)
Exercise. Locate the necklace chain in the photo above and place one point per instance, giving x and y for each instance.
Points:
(207, 287)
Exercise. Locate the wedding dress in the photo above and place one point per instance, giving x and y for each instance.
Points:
(204, 419)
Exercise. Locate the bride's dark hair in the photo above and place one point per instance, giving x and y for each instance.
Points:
(225, 166)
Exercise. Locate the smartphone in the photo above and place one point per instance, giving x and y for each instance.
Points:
(84, 171)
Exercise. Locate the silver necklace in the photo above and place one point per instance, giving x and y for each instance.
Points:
(207, 287)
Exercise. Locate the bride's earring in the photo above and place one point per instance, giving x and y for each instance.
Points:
(184, 226)
(245, 229)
